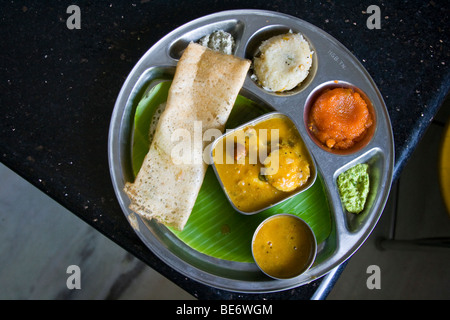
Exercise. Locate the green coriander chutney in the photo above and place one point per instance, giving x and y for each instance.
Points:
(353, 186)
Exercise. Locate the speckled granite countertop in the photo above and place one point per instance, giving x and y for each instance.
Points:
(58, 89)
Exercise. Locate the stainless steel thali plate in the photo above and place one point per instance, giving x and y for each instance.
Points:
(333, 64)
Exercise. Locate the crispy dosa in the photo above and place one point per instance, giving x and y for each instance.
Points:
(204, 89)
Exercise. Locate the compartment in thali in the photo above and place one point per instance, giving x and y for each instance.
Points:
(359, 142)
(252, 50)
(374, 159)
(233, 27)
(244, 182)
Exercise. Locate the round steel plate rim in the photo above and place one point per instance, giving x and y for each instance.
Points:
(347, 242)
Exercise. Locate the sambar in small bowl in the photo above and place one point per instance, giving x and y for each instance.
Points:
(284, 246)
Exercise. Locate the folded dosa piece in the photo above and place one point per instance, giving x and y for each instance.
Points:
(204, 89)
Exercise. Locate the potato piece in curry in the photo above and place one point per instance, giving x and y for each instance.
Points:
(286, 170)
(260, 165)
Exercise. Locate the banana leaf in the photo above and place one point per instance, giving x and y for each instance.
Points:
(214, 227)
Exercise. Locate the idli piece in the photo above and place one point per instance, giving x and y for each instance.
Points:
(282, 62)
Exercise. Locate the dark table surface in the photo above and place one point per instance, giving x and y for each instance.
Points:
(59, 86)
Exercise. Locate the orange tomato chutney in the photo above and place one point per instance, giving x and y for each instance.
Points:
(284, 246)
(339, 118)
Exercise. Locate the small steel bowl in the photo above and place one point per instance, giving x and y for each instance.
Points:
(303, 266)
(315, 94)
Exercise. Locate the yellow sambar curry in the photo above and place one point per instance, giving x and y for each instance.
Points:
(284, 246)
(262, 164)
